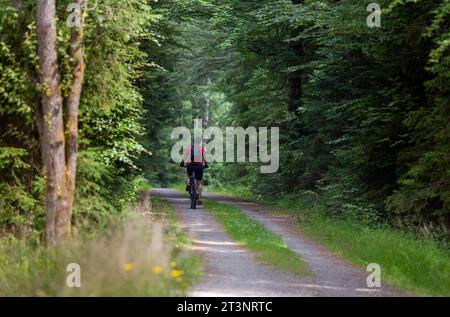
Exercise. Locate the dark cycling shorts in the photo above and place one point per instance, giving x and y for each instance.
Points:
(198, 169)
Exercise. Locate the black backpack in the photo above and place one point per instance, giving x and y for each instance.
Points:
(193, 154)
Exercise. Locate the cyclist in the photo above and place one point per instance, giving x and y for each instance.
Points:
(194, 160)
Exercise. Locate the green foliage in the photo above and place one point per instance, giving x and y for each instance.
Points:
(20, 194)
(110, 111)
(363, 112)
(424, 188)
(21, 208)
(407, 261)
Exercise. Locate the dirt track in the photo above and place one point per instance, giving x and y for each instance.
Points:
(231, 270)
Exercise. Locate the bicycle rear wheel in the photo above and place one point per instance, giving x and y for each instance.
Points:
(194, 192)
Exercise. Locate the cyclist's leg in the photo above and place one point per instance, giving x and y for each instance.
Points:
(199, 176)
(200, 188)
(189, 172)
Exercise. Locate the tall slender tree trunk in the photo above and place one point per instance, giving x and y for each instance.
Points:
(72, 109)
(59, 149)
(295, 79)
(52, 139)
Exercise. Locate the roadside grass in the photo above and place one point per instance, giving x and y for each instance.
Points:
(138, 255)
(268, 247)
(407, 261)
(181, 187)
(415, 264)
(237, 191)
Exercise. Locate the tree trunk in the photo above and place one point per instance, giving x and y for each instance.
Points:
(52, 139)
(295, 80)
(18, 4)
(58, 141)
(295, 91)
(72, 107)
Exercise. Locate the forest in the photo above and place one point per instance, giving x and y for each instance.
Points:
(90, 92)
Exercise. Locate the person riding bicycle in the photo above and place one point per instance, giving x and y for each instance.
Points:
(194, 160)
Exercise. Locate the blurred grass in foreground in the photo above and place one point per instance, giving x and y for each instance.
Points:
(140, 254)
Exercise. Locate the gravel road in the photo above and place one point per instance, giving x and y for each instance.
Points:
(232, 271)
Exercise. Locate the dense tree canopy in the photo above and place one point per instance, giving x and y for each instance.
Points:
(363, 111)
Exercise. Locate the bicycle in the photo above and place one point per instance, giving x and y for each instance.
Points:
(193, 191)
(193, 187)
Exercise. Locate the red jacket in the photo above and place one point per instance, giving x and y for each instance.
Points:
(196, 157)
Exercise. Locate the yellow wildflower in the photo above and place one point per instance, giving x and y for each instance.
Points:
(157, 269)
(176, 273)
(173, 264)
(128, 266)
